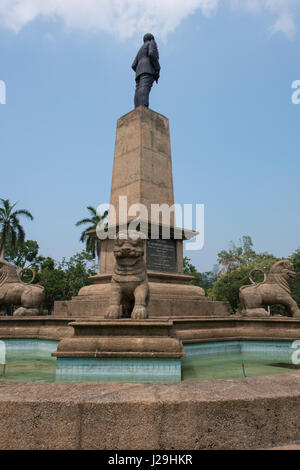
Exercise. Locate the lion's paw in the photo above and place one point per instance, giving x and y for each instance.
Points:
(296, 314)
(113, 311)
(26, 312)
(139, 312)
(255, 312)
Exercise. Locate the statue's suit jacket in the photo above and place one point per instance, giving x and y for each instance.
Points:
(146, 60)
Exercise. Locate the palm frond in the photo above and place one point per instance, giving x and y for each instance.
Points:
(20, 234)
(83, 221)
(25, 213)
(92, 227)
(83, 236)
(92, 210)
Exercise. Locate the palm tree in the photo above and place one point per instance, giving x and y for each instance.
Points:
(92, 245)
(10, 228)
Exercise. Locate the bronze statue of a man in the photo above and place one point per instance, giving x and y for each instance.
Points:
(147, 68)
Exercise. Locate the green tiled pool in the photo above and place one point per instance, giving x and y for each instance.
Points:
(236, 359)
(31, 360)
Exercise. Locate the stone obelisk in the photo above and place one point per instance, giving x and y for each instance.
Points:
(142, 169)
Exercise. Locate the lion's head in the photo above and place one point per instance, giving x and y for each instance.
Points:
(280, 273)
(129, 250)
(8, 273)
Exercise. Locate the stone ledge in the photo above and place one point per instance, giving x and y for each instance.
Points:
(251, 413)
(121, 338)
(152, 275)
(189, 329)
(119, 347)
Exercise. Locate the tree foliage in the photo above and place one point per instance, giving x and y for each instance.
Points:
(237, 255)
(205, 280)
(24, 254)
(63, 280)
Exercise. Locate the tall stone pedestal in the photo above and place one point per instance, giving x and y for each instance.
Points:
(142, 172)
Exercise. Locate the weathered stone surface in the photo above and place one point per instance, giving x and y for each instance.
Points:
(274, 290)
(258, 412)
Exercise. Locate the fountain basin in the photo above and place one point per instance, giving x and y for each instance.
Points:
(30, 360)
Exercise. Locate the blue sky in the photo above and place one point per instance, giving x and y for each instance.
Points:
(227, 70)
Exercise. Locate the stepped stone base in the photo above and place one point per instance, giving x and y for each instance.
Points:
(173, 296)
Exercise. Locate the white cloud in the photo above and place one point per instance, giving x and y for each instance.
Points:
(125, 17)
(283, 12)
(285, 24)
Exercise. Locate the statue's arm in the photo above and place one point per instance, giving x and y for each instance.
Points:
(153, 57)
(135, 63)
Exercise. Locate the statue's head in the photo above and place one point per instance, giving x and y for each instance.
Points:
(129, 248)
(283, 268)
(148, 37)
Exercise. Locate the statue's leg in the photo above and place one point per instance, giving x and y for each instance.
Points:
(136, 96)
(2, 303)
(113, 310)
(291, 307)
(141, 296)
(252, 303)
(26, 312)
(144, 85)
(2, 310)
(31, 302)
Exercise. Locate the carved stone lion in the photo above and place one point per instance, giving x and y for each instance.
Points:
(15, 292)
(274, 290)
(129, 286)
